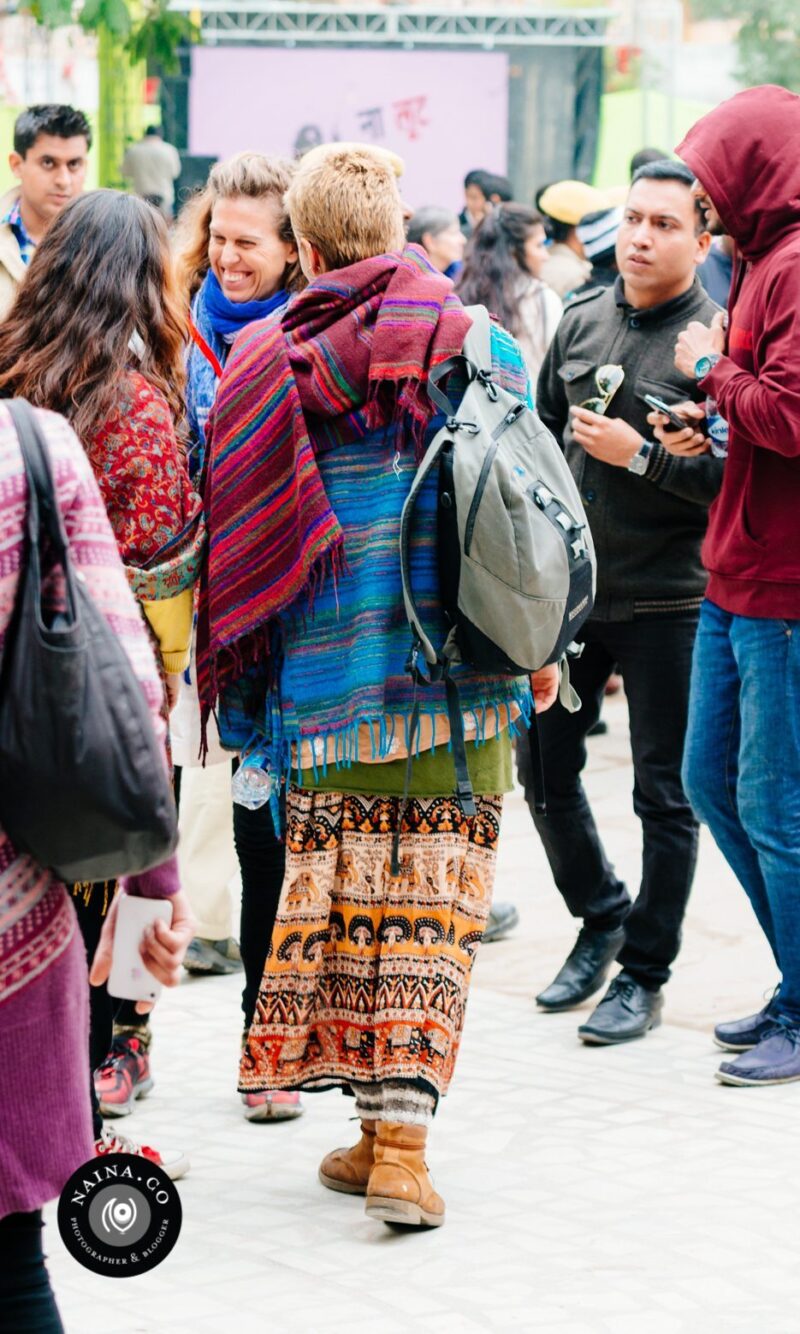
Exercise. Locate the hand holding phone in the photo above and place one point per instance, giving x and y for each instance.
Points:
(162, 946)
(130, 979)
(684, 433)
(680, 423)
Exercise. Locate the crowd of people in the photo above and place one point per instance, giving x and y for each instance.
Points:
(235, 410)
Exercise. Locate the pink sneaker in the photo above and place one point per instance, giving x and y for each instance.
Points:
(275, 1105)
(123, 1077)
(172, 1161)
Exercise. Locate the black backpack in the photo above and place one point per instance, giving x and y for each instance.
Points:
(83, 785)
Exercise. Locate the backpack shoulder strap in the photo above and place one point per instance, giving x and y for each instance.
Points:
(474, 359)
(478, 342)
(428, 462)
(477, 349)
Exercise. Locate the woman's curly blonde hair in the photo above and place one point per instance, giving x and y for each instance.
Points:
(245, 176)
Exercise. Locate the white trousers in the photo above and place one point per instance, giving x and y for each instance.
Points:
(206, 852)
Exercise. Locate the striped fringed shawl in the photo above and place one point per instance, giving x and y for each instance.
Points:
(350, 354)
(345, 665)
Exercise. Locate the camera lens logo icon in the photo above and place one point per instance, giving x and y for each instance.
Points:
(119, 1215)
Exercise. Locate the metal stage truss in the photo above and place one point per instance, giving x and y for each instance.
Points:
(485, 26)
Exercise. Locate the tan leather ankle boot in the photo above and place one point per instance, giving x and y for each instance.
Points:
(400, 1189)
(348, 1170)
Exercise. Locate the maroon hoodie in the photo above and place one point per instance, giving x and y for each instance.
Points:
(747, 155)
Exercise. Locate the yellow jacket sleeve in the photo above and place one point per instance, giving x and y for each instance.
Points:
(171, 623)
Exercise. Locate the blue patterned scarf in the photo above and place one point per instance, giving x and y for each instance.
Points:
(228, 318)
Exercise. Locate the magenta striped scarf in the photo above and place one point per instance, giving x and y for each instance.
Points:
(349, 354)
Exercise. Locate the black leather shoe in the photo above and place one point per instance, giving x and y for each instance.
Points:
(628, 1010)
(584, 970)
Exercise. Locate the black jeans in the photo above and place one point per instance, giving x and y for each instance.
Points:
(654, 654)
(262, 859)
(104, 1009)
(27, 1304)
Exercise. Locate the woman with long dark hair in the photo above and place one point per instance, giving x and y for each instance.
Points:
(45, 1119)
(97, 334)
(502, 265)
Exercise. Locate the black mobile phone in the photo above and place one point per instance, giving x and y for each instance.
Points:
(678, 422)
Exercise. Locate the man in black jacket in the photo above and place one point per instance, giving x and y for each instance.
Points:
(647, 509)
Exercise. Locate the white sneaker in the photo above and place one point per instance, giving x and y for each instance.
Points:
(172, 1161)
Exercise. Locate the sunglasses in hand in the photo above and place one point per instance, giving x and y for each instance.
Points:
(608, 380)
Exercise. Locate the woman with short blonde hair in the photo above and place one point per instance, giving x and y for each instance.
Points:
(303, 642)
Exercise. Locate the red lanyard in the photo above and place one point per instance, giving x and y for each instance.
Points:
(210, 356)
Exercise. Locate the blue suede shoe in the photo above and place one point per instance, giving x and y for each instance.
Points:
(776, 1059)
(744, 1034)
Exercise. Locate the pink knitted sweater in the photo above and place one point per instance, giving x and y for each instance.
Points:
(43, 985)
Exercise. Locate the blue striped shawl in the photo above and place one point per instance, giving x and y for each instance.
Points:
(343, 663)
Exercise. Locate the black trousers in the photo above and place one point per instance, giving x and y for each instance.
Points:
(654, 654)
(262, 859)
(103, 1008)
(27, 1304)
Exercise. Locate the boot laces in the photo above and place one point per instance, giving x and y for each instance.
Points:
(622, 986)
(790, 1028)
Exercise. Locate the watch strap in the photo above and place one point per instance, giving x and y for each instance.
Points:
(705, 364)
(638, 464)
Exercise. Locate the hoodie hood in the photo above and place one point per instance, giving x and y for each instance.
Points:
(746, 152)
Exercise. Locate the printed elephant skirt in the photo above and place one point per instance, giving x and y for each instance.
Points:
(367, 974)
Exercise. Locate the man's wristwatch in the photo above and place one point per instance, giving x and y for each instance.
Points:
(704, 364)
(638, 463)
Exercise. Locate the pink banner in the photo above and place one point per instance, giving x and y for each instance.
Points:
(445, 113)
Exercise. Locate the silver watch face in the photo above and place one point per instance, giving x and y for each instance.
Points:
(638, 464)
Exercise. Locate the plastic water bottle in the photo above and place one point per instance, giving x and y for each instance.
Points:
(717, 430)
(253, 783)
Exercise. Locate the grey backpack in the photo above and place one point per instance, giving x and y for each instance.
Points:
(515, 555)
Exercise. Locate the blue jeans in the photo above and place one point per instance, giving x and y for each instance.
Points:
(741, 769)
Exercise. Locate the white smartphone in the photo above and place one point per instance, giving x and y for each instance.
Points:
(130, 979)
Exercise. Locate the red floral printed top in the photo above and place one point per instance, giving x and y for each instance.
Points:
(141, 471)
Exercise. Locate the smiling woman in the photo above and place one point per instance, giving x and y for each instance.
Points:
(247, 254)
(237, 262)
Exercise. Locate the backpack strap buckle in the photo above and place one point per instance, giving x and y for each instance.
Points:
(484, 378)
(416, 657)
(470, 428)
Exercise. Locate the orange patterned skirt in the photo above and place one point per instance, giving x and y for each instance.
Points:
(367, 974)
